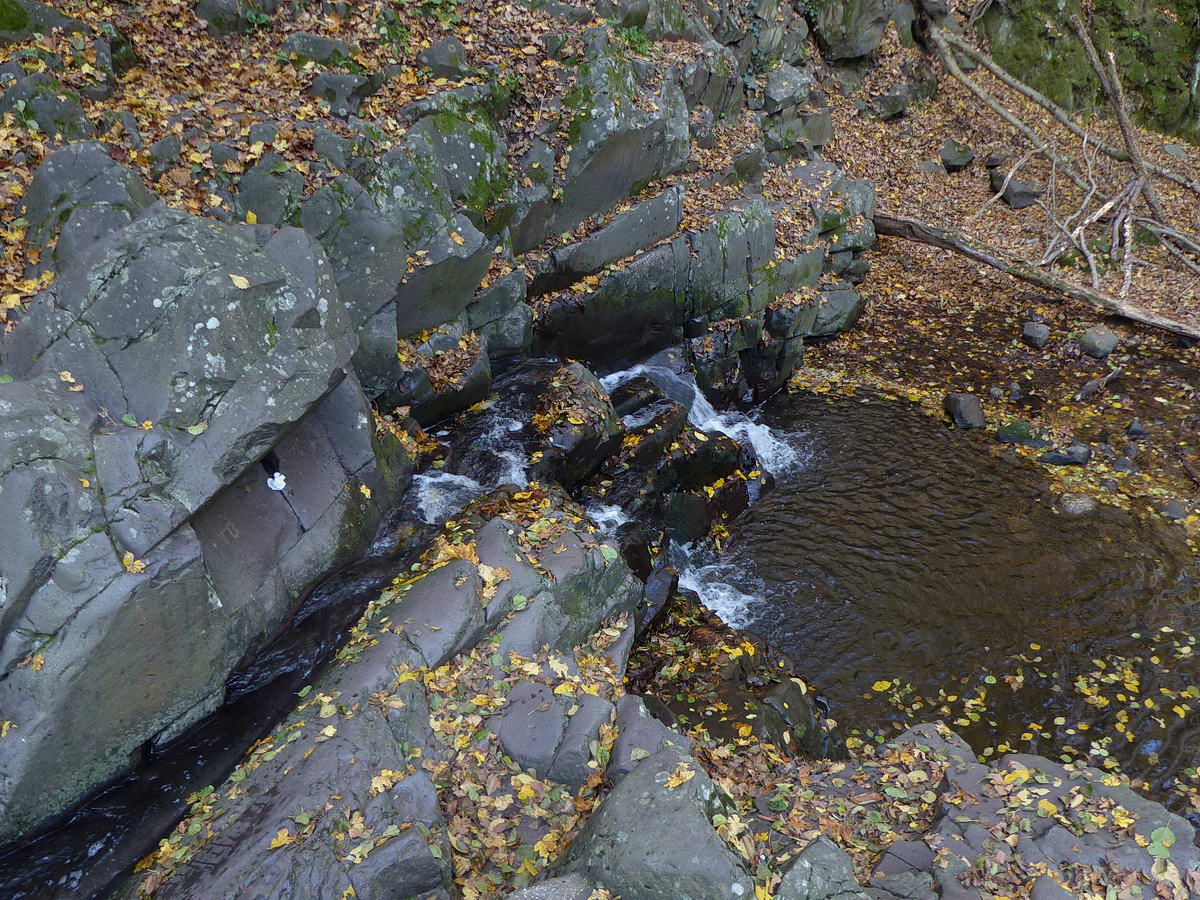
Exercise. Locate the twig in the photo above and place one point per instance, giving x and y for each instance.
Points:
(951, 66)
(1061, 114)
(1110, 81)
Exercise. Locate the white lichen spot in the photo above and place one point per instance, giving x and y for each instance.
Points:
(212, 323)
(277, 482)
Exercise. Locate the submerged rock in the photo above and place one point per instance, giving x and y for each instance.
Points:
(964, 410)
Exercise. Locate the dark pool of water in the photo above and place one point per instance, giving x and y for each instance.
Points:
(901, 551)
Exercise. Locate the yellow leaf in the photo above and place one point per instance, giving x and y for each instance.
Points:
(133, 565)
(1046, 809)
(881, 686)
(240, 281)
(66, 376)
(365, 491)
(329, 730)
(85, 482)
(251, 218)
(457, 238)
(683, 773)
(282, 838)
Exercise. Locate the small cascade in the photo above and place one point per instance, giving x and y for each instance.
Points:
(608, 517)
(711, 577)
(441, 494)
(701, 570)
(775, 455)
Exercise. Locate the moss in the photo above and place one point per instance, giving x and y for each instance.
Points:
(1155, 48)
(13, 16)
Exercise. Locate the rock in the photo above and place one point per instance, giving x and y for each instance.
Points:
(446, 59)
(537, 729)
(635, 312)
(1020, 432)
(821, 871)
(652, 836)
(444, 284)
(1098, 342)
(227, 343)
(365, 756)
(569, 887)
(1077, 504)
(164, 153)
(302, 47)
(839, 311)
(343, 92)
(964, 410)
(79, 194)
(1136, 430)
(1173, 509)
(1018, 194)
(851, 29)
(22, 19)
(639, 736)
(1076, 454)
(53, 107)
(225, 16)
(272, 196)
(1035, 335)
(955, 156)
(635, 229)
(787, 86)
(619, 142)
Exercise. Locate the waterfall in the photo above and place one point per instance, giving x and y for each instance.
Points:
(775, 455)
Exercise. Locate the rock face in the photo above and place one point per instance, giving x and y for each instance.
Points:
(339, 797)
(173, 366)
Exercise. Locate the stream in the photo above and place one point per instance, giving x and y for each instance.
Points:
(913, 574)
(910, 572)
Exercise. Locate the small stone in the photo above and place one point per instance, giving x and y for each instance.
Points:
(1136, 430)
(1020, 432)
(446, 59)
(965, 410)
(931, 167)
(1035, 334)
(1077, 504)
(1173, 509)
(1125, 466)
(1017, 194)
(1097, 342)
(1076, 454)
(955, 156)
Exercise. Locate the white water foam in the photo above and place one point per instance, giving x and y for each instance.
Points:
(775, 455)
(441, 494)
(608, 517)
(710, 579)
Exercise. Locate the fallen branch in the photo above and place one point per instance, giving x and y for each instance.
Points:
(1110, 82)
(914, 230)
(1064, 117)
(951, 66)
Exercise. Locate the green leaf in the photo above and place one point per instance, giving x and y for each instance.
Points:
(130, 420)
(198, 428)
(1163, 835)
(519, 602)
(5, 379)
(608, 552)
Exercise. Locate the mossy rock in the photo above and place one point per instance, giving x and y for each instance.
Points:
(1156, 50)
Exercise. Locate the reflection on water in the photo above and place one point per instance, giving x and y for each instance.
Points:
(903, 552)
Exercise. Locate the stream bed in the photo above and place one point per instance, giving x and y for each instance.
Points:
(914, 574)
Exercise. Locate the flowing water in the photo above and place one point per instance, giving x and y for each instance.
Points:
(900, 563)
(891, 552)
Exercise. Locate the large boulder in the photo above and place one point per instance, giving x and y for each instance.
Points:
(174, 366)
(849, 29)
(653, 836)
(22, 19)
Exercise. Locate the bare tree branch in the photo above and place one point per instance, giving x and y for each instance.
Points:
(921, 232)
